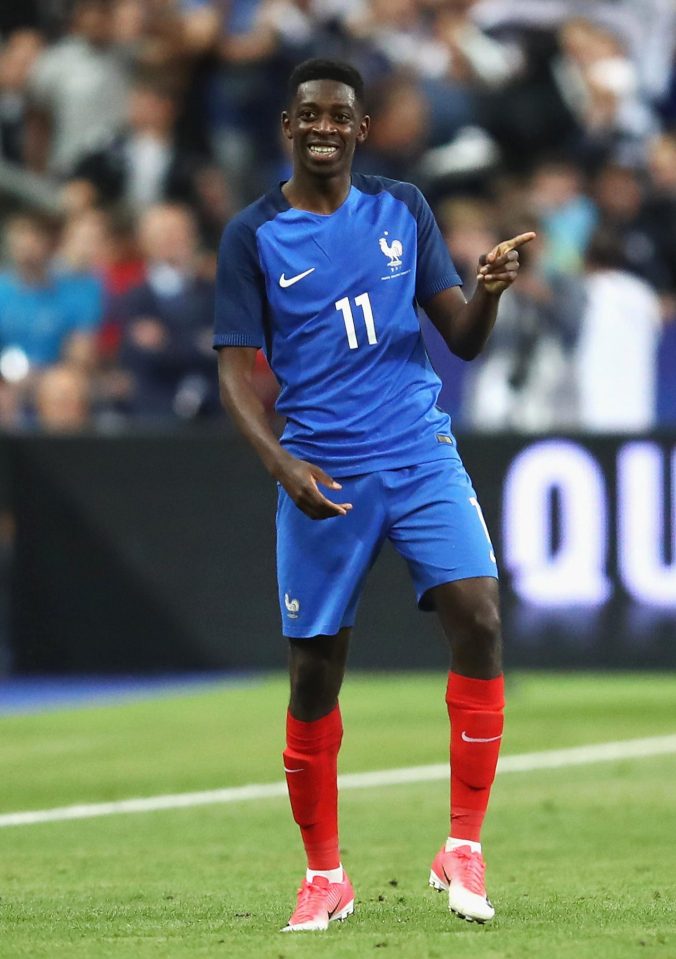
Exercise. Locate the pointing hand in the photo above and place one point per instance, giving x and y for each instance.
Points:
(498, 269)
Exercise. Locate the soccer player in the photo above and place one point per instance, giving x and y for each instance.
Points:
(325, 273)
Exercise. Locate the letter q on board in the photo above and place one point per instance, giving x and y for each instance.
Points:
(572, 571)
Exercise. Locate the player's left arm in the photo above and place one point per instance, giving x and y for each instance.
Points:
(466, 325)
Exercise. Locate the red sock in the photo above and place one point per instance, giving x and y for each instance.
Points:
(312, 749)
(475, 709)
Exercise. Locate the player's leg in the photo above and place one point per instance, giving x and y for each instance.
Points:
(321, 566)
(469, 612)
(316, 671)
(451, 559)
(314, 731)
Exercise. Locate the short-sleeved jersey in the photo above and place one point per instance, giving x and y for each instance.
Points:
(332, 299)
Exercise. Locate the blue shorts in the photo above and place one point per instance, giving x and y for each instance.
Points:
(429, 513)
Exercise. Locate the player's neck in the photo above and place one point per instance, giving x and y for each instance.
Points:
(317, 196)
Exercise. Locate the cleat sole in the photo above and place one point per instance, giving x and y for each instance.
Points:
(343, 914)
(460, 915)
(437, 883)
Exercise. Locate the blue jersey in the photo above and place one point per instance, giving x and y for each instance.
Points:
(332, 299)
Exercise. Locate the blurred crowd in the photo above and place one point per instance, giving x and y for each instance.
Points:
(132, 130)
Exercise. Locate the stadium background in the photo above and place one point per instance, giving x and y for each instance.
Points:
(132, 130)
(136, 530)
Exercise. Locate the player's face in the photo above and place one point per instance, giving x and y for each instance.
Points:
(325, 122)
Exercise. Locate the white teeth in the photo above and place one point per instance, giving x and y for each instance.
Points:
(323, 151)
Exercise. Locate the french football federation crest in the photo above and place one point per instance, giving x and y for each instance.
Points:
(392, 250)
(292, 606)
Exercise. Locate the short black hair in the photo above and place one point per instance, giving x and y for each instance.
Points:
(319, 69)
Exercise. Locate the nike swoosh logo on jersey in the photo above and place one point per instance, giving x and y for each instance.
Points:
(293, 770)
(471, 739)
(283, 282)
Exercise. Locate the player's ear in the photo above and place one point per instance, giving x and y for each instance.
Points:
(286, 125)
(364, 126)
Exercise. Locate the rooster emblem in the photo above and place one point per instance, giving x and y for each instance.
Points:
(292, 606)
(393, 250)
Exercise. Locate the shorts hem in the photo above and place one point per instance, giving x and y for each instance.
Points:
(450, 577)
(300, 632)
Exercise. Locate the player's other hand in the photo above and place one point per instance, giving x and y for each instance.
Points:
(301, 481)
(498, 269)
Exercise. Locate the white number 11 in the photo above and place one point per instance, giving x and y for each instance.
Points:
(344, 306)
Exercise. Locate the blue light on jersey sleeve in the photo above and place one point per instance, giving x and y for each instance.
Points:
(333, 299)
(240, 289)
(435, 269)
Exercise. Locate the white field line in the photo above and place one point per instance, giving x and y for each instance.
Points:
(520, 763)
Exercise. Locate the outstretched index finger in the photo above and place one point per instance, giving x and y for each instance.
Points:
(516, 242)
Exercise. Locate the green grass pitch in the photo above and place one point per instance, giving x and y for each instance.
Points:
(581, 860)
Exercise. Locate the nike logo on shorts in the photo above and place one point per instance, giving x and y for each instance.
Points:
(471, 739)
(293, 770)
(283, 282)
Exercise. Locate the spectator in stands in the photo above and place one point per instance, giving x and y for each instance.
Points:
(167, 322)
(522, 107)
(660, 210)
(95, 241)
(401, 38)
(445, 52)
(48, 316)
(616, 354)
(469, 228)
(399, 131)
(214, 205)
(238, 81)
(599, 81)
(63, 400)
(100, 246)
(78, 91)
(17, 57)
(644, 231)
(143, 164)
(18, 15)
(256, 43)
(647, 29)
(85, 242)
(522, 380)
(566, 213)
(474, 57)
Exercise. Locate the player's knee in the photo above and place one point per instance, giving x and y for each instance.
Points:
(485, 624)
(478, 646)
(478, 621)
(313, 688)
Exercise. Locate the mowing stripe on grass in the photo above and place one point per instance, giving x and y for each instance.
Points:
(520, 763)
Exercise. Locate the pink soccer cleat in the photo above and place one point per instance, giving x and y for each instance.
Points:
(461, 872)
(321, 902)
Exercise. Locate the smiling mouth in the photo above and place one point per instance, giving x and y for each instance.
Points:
(323, 151)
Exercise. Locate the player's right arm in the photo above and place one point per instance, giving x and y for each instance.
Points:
(241, 304)
(299, 478)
